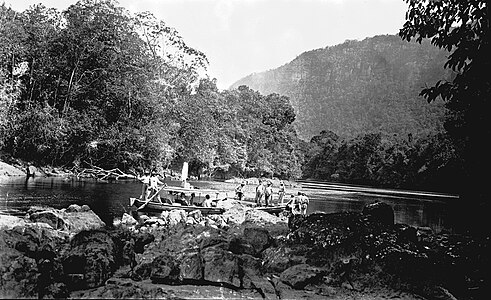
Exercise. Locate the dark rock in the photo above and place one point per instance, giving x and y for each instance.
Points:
(165, 269)
(250, 271)
(92, 254)
(240, 246)
(278, 259)
(258, 238)
(379, 212)
(29, 264)
(301, 275)
(220, 265)
(191, 266)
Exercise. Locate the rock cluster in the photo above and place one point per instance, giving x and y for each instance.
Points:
(243, 253)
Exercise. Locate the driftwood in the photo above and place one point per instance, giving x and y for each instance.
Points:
(100, 173)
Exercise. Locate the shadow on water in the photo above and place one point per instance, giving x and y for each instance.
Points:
(111, 199)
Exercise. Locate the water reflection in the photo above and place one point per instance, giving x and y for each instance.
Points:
(110, 199)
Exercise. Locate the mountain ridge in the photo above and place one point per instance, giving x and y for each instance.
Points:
(371, 85)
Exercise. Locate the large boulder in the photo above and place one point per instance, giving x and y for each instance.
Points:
(379, 212)
(258, 238)
(9, 222)
(29, 263)
(165, 269)
(90, 261)
(299, 276)
(75, 219)
(221, 266)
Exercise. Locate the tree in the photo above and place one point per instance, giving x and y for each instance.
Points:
(462, 28)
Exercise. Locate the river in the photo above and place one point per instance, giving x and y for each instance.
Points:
(110, 200)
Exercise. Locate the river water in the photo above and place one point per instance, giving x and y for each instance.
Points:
(110, 200)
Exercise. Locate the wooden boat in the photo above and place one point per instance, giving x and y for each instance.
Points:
(159, 207)
(169, 194)
(275, 210)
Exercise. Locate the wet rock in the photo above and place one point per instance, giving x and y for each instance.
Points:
(165, 269)
(9, 222)
(51, 217)
(29, 264)
(220, 265)
(379, 212)
(235, 214)
(128, 220)
(258, 238)
(278, 259)
(73, 208)
(191, 266)
(72, 220)
(301, 275)
(92, 255)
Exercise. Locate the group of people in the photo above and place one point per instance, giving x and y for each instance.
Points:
(264, 192)
(298, 204)
(151, 186)
(264, 196)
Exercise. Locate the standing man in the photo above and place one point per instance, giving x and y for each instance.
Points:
(239, 191)
(281, 193)
(259, 193)
(304, 203)
(268, 194)
(154, 186)
(145, 180)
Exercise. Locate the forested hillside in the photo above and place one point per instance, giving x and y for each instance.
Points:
(357, 87)
(97, 86)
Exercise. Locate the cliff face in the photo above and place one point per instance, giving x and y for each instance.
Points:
(360, 86)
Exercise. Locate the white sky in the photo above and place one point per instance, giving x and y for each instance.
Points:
(241, 37)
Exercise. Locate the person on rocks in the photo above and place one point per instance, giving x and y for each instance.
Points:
(290, 205)
(296, 204)
(304, 203)
(239, 191)
(268, 194)
(259, 193)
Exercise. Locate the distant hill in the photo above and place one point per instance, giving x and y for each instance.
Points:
(360, 86)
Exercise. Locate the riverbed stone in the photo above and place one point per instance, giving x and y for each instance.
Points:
(257, 237)
(91, 255)
(72, 221)
(221, 266)
(165, 269)
(9, 222)
(379, 212)
(299, 276)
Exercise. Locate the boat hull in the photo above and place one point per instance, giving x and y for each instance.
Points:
(275, 210)
(158, 207)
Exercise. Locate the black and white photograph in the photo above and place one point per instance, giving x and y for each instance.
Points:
(245, 149)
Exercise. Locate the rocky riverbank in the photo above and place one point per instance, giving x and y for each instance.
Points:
(241, 254)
